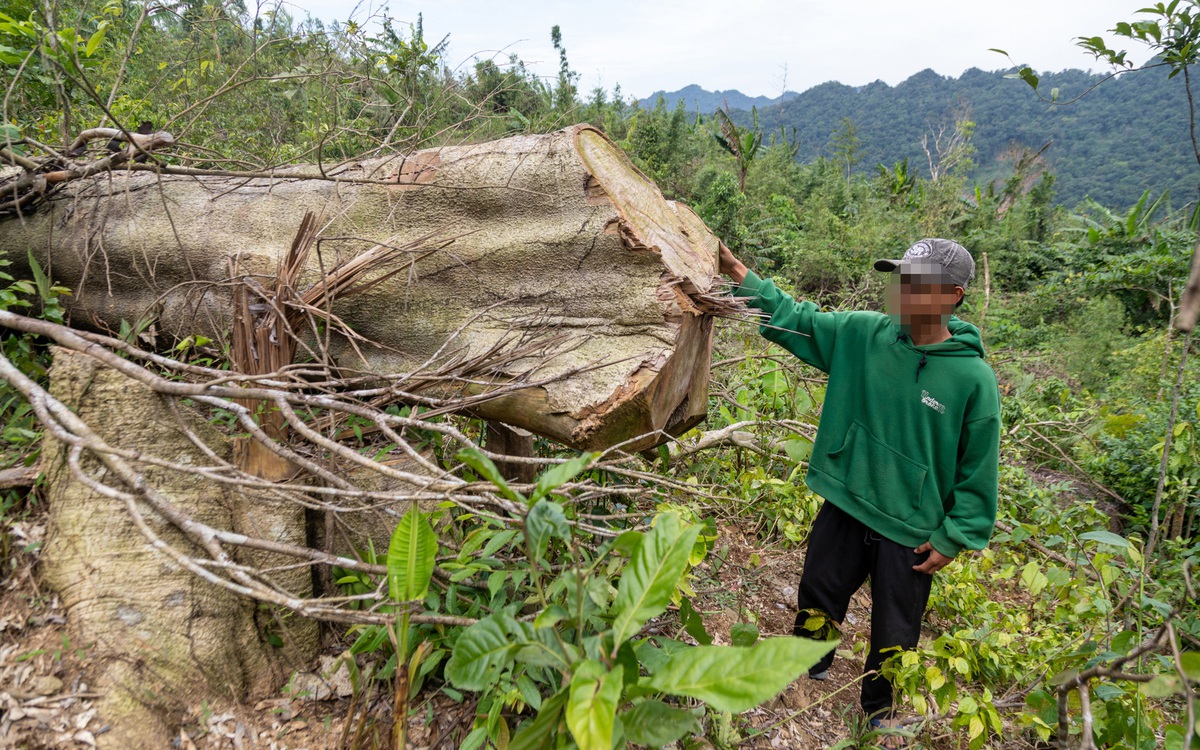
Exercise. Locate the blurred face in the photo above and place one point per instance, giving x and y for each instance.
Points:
(921, 291)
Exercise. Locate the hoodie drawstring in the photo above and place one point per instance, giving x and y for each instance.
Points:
(920, 365)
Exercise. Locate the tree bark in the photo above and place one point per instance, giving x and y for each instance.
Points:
(163, 639)
(558, 239)
(1189, 302)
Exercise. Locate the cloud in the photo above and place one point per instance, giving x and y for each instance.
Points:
(647, 46)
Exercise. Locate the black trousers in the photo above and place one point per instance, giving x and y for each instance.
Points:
(842, 554)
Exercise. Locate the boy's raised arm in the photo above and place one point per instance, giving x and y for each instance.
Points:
(799, 327)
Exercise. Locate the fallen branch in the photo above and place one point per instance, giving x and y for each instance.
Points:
(24, 476)
(1050, 553)
(736, 435)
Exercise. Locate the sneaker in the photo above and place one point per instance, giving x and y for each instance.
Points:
(894, 736)
(819, 676)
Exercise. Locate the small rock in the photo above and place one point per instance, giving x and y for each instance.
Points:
(43, 686)
(787, 592)
(48, 685)
(337, 673)
(309, 686)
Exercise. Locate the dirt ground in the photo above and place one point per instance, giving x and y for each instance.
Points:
(46, 702)
(758, 581)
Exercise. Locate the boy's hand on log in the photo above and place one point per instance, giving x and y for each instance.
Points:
(935, 562)
(731, 266)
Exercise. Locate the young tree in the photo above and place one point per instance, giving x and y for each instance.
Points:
(565, 91)
(845, 145)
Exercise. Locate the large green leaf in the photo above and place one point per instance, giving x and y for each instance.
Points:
(798, 449)
(592, 707)
(654, 723)
(1191, 664)
(411, 556)
(743, 634)
(558, 475)
(730, 678)
(484, 650)
(649, 579)
(544, 521)
(541, 647)
(649, 656)
(1106, 537)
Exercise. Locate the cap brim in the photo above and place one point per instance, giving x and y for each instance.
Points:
(887, 265)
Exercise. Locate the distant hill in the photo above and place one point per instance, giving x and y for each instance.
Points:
(1126, 136)
(707, 102)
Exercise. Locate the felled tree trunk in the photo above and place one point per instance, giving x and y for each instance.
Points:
(557, 238)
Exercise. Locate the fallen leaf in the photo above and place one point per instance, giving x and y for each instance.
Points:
(81, 721)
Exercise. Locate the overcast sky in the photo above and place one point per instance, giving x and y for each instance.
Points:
(648, 45)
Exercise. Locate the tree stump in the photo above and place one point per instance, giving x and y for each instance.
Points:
(163, 638)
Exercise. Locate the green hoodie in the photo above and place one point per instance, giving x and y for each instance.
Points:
(909, 436)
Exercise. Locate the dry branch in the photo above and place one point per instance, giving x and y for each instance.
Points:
(22, 476)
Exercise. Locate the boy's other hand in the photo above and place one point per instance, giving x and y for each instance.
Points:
(935, 562)
(731, 266)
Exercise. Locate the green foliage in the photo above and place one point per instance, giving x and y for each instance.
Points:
(651, 576)
(38, 297)
(845, 146)
(587, 635)
(662, 144)
(410, 558)
(565, 91)
(735, 678)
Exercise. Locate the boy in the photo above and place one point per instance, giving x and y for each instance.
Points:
(907, 451)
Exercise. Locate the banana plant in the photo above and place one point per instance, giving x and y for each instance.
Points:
(607, 685)
(742, 143)
(411, 556)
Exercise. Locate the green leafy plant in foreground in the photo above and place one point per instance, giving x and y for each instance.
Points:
(566, 641)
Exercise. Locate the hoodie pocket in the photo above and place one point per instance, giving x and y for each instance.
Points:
(877, 473)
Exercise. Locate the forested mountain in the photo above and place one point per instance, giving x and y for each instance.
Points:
(1126, 136)
(694, 97)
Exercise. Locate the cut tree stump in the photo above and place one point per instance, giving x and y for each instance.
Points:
(510, 441)
(556, 238)
(162, 639)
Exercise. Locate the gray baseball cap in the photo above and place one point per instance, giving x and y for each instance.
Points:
(952, 257)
